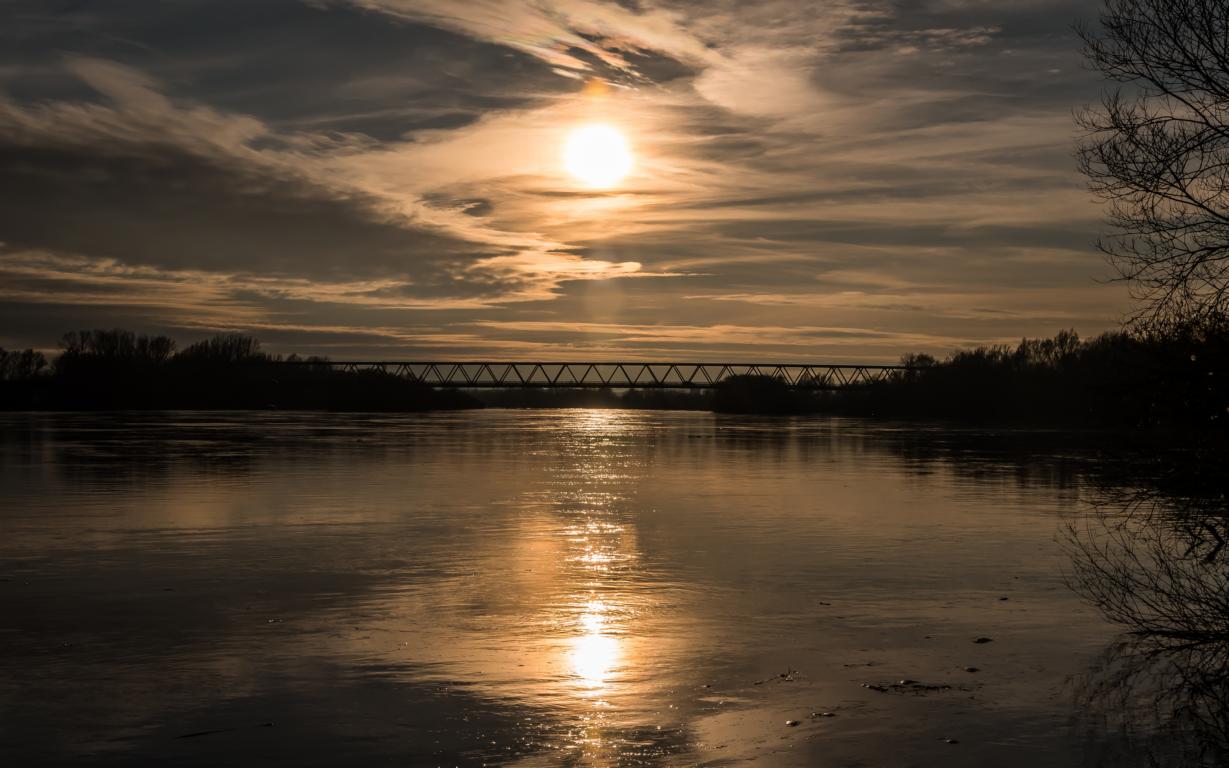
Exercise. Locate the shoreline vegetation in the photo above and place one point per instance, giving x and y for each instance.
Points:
(121, 370)
(1172, 381)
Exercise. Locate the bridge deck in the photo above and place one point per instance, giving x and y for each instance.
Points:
(621, 375)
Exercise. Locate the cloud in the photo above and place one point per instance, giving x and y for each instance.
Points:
(149, 182)
(558, 32)
(847, 177)
(723, 341)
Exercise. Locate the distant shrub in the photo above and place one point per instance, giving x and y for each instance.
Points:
(748, 393)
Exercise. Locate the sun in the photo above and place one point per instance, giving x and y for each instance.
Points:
(597, 155)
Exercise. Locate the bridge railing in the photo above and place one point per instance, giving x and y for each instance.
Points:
(621, 375)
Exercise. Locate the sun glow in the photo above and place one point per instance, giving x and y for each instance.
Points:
(594, 654)
(597, 155)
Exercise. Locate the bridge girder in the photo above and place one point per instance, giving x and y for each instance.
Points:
(616, 375)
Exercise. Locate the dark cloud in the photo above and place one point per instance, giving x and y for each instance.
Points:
(284, 61)
(164, 208)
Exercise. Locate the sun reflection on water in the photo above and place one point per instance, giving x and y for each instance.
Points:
(596, 647)
(593, 657)
(598, 542)
(595, 653)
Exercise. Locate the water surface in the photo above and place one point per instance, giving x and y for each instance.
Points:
(538, 588)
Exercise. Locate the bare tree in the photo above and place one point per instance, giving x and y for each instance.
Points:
(224, 348)
(116, 345)
(21, 365)
(1156, 149)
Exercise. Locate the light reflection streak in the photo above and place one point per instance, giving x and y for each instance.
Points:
(595, 653)
(600, 551)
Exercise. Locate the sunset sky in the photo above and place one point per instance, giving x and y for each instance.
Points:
(805, 181)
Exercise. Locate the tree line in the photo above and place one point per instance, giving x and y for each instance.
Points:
(1160, 382)
(1172, 380)
(119, 369)
(1175, 381)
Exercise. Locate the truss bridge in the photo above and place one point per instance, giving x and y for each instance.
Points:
(617, 375)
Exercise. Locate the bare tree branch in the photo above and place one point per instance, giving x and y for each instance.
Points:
(1156, 150)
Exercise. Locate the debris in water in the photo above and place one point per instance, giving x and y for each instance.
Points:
(906, 686)
(791, 723)
(981, 640)
(223, 730)
(787, 676)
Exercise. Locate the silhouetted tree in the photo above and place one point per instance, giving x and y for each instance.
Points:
(1171, 378)
(21, 365)
(1055, 352)
(117, 345)
(91, 351)
(119, 369)
(224, 348)
(917, 360)
(1156, 150)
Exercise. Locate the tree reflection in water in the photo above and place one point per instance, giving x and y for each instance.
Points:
(1154, 560)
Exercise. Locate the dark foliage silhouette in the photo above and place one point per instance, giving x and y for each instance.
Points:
(550, 398)
(754, 394)
(20, 374)
(21, 365)
(647, 399)
(225, 348)
(1173, 379)
(1170, 379)
(118, 369)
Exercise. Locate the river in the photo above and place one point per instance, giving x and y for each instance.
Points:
(540, 588)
